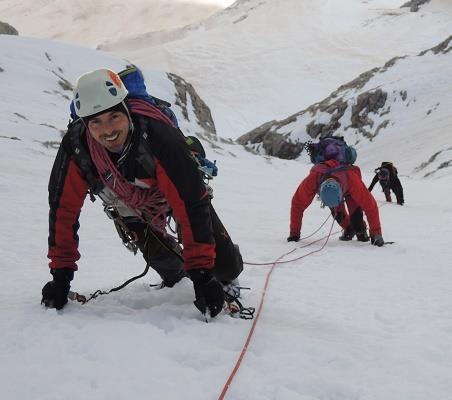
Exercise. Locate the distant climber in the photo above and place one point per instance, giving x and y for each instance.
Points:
(387, 175)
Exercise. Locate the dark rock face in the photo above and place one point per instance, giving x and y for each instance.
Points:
(444, 47)
(332, 110)
(273, 144)
(367, 102)
(7, 29)
(415, 4)
(444, 164)
(336, 109)
(186, 91)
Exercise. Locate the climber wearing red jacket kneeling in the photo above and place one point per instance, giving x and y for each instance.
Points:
(338, 185)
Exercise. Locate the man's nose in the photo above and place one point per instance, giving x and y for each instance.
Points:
(108, 127)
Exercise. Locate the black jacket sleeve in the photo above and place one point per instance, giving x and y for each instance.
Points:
(67, 191)
(372, 184)
(181, 183)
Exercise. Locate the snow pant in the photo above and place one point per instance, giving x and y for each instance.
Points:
(351, 219)
(228, 260)
(161, 252)
(396, 187)
(386, 188)
(164, 254)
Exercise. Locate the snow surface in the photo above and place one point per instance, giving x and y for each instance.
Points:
(350, 322)
(89, 23)
(260, 60)
(252, 62)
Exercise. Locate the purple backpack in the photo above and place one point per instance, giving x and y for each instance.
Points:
(331, 148)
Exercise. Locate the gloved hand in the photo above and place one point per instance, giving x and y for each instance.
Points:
(208, 291)
(293, 237)
(377, 240)
(54, 293)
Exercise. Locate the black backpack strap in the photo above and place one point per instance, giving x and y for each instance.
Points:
(144, 146)
(327, 174)
(144, 156)
(83, 158)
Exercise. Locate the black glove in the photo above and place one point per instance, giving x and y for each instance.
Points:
(293, 237)
(208, 291)
(54, 293)
(377, 240)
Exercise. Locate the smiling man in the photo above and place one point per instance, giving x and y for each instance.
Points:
(129, 153)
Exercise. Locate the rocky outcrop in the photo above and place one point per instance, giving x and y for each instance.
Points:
(443, 48)
(415, 4)
(271, 137)
(7, 29)
(367, 102)
(446, 153)
(359, 109)
(185, 94)
(272, 143)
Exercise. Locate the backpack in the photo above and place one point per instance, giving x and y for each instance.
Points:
(133, 80)
(329, 148)
(386, 171)
(382, 173)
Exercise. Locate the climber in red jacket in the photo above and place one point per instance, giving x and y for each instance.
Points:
(337, 184)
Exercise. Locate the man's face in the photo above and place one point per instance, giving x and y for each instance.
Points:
(110, 129)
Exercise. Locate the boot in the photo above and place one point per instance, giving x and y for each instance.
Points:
(388, 196)
(231, 290)
(362, 236)
(347, 234)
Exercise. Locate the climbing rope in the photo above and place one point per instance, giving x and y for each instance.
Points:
(261, 303)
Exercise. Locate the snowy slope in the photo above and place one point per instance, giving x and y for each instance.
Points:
(349, 322)
(403, 106)
(256, 60)
(260, 60)
(57, 65)
(88, 23)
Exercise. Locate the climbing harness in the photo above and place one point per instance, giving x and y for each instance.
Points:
(129, 238)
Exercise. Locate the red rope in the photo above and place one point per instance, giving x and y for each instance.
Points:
(299, 247)
(261, 304)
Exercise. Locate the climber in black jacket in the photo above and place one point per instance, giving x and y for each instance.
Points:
(386, 174)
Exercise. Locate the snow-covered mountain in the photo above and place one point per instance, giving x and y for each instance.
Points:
(39, 110)
(260, 60)
(254, 61)
(89, 23)
(401, 106)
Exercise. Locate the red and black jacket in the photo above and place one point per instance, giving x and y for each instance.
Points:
(170, 166)
(354, 191)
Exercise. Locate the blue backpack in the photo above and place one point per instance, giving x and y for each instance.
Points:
(331, 148)
(133, 80)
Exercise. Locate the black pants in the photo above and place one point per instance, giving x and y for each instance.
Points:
(164, 254)
(160, 251)
(394, 185)
(357, 223)
(228, 261)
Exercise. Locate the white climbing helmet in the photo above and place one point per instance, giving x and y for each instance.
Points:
(97, 91)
